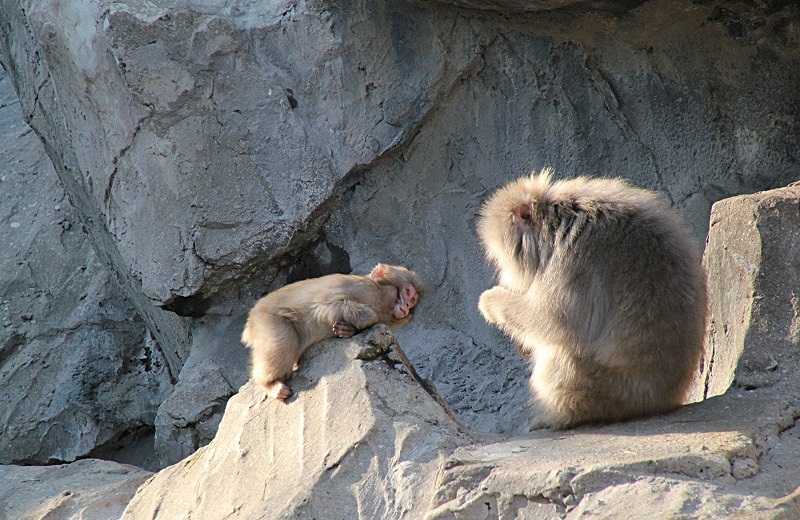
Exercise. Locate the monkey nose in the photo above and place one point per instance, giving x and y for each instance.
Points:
(401, 311)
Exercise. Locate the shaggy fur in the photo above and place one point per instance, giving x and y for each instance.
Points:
(602, 286)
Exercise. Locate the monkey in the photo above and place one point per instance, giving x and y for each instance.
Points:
(286, 322)
(601, 286)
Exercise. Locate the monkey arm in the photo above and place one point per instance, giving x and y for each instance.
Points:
(507, 310)
(346, 317)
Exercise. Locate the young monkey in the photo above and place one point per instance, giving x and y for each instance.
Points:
(284, 323)
(602, 286)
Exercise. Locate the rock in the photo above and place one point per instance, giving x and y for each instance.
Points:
(188, 419)
(533, 6)
(214, 152)
(77, 376)
(358, 439)
(216, 367)
(86, 489)
(693, 463)
(364, 440)
(753, 261)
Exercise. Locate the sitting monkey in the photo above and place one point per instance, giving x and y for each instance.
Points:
(601, 284)
(284, 323)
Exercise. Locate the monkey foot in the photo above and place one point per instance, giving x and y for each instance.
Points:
(539, 422)
(279, 390)
(343, 330)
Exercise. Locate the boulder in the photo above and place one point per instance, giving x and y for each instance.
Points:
(753, 260)
(189, 417)
(359, 439)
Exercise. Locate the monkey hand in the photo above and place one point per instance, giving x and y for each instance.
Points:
(343, 330)
(491, 304)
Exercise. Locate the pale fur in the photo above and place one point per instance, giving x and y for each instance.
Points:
(604, 290)
(284, 323)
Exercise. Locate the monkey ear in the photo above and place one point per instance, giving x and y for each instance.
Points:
(378, 272)
(523, 216)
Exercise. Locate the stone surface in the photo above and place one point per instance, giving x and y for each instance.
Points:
(215, 152)
(87, 490)
(358, 440)
(753, 261)
(534, 6)
(704, 461)
(363, 440)
(76, 374)
(190, 416)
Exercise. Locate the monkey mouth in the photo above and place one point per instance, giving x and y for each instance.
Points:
(401, 310)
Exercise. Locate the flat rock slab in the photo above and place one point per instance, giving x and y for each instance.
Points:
(89, 489)
(703, 461)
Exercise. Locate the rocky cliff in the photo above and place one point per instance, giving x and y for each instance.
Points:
(186, 158)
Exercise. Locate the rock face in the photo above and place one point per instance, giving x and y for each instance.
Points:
(215, 151)
(76, 373)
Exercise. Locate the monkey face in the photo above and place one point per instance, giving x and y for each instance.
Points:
(407, 298)
(409, 287)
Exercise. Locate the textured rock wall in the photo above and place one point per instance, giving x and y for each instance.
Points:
(214, 151)
(77, 374)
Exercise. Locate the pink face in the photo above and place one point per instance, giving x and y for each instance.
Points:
(407, 297)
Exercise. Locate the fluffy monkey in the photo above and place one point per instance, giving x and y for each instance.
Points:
(284, 323)
(601, 285)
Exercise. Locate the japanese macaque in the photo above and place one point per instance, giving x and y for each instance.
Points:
(284, 323)
(601, 285)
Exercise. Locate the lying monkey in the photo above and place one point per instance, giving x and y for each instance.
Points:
(284, 323)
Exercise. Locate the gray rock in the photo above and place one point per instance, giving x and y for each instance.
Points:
(86, 489)
(532, 6)
(214, 152)
(216, 367)
(753, 261)
(363, 440)
(188, 419)
(359, 440)
(76, 374)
